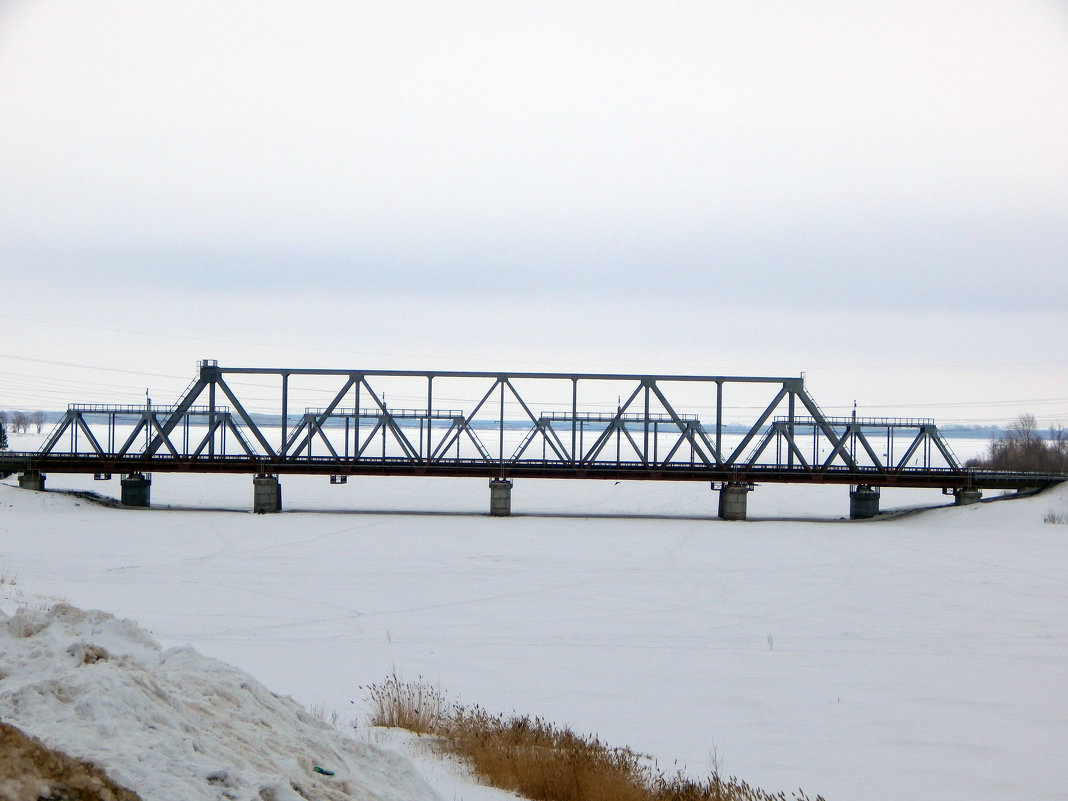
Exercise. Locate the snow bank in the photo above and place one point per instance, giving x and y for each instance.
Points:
(176, 724)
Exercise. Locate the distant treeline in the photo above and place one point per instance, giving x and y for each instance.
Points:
(20, 422)
(1023, 448)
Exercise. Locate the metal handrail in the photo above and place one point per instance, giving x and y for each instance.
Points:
(606, 417)
(876, 422)
(107, 408)
(374, 412)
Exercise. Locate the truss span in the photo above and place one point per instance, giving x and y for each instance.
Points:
(502, 425)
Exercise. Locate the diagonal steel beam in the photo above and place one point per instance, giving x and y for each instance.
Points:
(79, 421)
(867, 447)
(318, 429)
(768, 437)
(130, 440)
(446, 441)
(842, 450)
(791, 442)
(471, 435)
(240, 437)
(405, 443)
(462, 424)
(391, 425)
(152, 423)
(684, 427)
(246, 418)
(54, 438)
(638, 451)
(757, 426)
(177, 413)
(673, 450)
(370, 438)
(821, 421)
(316, 424)
(911, 450)
(209, 437)
(537, 423)
(602, 440)
(304, 424)
(946, 451)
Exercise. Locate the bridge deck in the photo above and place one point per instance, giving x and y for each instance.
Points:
(936, 478)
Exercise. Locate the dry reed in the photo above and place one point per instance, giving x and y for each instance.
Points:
(540, 760)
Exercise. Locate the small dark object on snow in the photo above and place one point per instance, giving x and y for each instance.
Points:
(323, 771)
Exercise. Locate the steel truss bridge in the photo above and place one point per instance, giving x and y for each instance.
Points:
(656, 427)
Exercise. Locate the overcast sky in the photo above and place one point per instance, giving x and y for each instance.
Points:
(874, 194)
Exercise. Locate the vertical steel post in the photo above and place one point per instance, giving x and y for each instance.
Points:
(719, 420)
(790, 429)
(211, 418)
(501, 441)
(574, 420)
(645, 446)
(429, 415)
(285, 413)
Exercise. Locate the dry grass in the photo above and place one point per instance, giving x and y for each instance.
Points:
(411, 705)
(30, 770)
(542, 761)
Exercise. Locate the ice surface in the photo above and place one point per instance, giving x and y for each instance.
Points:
(920, 656)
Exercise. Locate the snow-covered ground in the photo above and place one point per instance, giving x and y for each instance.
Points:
(920, 656)
(176, 724)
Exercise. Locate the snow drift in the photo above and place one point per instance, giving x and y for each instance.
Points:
(176, 724)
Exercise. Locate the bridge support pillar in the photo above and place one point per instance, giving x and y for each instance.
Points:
(32, 480)
(136, 490)
(500, 497)
(733, 498)
(266, 495)
(863, 502)
(966, 496)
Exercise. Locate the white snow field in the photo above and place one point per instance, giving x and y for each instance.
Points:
(915, 656)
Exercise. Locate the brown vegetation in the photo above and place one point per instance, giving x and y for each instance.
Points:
(30, 771)
(542, 761)
(1023, 449)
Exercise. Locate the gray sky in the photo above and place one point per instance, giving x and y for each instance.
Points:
(874, 194)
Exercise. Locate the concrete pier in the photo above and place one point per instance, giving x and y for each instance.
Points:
(136, 490)
(266, 495)
(500, 497)
(32, 480)
(732, 501)
(967, 496)
(863, 502)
